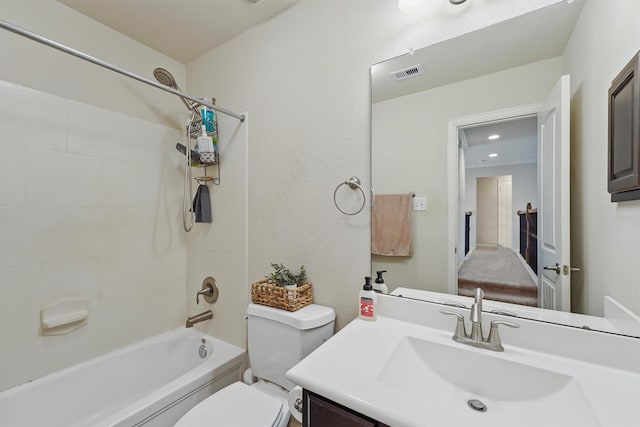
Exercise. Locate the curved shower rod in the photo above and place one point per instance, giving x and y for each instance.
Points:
(78, 54)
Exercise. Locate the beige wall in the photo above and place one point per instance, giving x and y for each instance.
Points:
(604, 235)
(409, 137)
(304, 78)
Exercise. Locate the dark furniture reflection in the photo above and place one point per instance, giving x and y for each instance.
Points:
(529, 237)
(467, 231)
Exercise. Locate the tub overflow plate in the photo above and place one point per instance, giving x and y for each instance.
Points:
(202, 351)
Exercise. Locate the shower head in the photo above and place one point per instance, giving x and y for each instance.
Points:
(166, 78)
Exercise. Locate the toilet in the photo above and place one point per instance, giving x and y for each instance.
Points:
(277, 340)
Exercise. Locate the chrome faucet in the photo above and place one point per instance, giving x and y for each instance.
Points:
(476, 338)
(201, 317)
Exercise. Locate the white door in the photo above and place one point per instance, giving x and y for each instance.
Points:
(554, 287)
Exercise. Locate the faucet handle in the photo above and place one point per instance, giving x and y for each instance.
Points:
(494, 335)
(497, 323)
(461, 331)
(207, 290)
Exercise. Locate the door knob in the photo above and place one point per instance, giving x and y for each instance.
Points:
(566, 270)
(555, 268)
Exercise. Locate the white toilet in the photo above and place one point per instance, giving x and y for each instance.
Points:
(277, 340)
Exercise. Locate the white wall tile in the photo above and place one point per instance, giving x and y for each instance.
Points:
(228, 230)
(33, 235)
(32, 118)
(128, 183)
(12, 173)
(99, 221)
(99, 132)
(62, 179)
(229, 311)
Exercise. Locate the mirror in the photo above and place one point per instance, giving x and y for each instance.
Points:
(433, 111)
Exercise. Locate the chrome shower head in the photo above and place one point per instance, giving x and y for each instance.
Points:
(166, 78)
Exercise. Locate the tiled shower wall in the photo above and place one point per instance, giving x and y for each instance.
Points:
(90, 206)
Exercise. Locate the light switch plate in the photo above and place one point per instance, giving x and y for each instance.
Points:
(419, 203)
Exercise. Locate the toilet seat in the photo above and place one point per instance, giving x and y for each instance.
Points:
(237, 405)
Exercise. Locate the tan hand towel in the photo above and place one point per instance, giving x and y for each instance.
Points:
(391, 225)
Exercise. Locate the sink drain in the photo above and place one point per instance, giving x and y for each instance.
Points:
(476, 405)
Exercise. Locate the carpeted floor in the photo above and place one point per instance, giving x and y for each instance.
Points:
(500, 274)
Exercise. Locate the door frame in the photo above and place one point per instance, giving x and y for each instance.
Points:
(452, 175)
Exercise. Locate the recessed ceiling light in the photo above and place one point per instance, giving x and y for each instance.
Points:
(493, 155)
(494, 136)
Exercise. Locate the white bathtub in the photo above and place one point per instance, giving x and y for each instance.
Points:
(151, 383)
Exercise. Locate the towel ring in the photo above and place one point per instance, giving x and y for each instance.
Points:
(353, 183)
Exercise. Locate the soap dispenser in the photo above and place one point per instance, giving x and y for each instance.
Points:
(205, 147)
(380, 287)
(368, 301)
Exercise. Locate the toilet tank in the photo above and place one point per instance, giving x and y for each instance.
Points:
(278, 339)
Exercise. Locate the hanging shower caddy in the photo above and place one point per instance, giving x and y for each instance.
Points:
(197, 162)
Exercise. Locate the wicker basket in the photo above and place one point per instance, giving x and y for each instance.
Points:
(263, 292)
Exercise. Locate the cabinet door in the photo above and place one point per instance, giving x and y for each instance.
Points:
(624, 133)
(321, 412)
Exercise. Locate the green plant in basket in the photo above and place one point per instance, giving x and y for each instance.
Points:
(283, 277)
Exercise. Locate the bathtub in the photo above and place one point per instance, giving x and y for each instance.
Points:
(151, 383)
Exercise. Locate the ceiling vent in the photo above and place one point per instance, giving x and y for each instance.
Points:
(405, 73)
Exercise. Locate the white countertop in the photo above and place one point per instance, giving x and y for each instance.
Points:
(347, 369)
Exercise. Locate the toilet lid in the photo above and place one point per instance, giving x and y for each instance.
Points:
(237, 405)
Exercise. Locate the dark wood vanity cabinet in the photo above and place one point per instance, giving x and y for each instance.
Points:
(318, 411)
(624, 133)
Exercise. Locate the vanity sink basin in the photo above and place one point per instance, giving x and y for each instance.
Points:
(406, 371)
(479, 385)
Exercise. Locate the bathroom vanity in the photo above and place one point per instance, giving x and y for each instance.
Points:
(405, 370)
(320, 411)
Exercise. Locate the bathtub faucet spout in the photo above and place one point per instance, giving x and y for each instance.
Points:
(201, 317)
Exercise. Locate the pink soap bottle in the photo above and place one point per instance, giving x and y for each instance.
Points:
(368, 301)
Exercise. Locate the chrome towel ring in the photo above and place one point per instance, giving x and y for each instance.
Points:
(353, 183)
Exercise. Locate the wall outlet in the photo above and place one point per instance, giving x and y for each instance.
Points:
(419, 203)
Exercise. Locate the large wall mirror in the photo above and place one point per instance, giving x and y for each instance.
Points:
(472, 128)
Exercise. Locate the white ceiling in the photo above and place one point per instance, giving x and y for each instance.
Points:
(532, 37)
(181, 29)
(518, 142)
(535, 36)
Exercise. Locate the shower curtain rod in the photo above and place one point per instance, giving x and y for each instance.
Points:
(78, 54)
